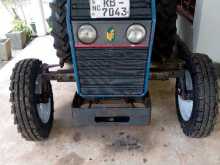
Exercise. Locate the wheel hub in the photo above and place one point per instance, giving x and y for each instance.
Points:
(44, 101)
(186, 103)
(44, 111)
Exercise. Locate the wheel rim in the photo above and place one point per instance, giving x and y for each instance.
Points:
(186, 105)
(44, 111)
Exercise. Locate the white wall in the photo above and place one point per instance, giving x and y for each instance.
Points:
(204, 35)
(209, 33)
(5, 21)
(39, 17)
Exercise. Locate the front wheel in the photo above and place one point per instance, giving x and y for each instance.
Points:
(32, 100)
(197, 97)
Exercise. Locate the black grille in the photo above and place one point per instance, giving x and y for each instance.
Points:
(111, 71)
(140, 9)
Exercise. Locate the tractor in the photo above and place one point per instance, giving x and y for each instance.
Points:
(114, 48)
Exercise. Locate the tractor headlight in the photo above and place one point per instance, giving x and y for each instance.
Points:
(87, 34)
(136, 33)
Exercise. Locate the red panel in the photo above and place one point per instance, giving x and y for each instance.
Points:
(110, 46)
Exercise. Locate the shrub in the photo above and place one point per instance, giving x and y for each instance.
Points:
(21, 26)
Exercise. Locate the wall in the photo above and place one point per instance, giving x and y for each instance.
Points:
(39, 17)
(203, 36)
(5, 21)
(209, 33)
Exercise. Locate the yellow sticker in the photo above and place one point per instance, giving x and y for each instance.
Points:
(110, 35)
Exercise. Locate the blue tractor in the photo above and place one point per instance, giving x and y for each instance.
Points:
(114, 48)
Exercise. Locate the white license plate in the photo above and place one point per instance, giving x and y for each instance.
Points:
(110, 8)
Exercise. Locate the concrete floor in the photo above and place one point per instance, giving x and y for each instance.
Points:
(160, 143)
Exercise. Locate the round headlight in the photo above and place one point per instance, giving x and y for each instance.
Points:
(87, 34)
(136, 34)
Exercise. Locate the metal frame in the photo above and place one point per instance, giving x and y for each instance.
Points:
(137, 111)
(118, 111)
(148, 65)
(155, 74)
(74, 59)
(157, 71)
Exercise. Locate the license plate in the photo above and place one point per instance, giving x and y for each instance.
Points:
(110, 8)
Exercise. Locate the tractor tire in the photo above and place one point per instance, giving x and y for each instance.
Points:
(166, 30)
(197, 114)
(59, 30)
(33, 111)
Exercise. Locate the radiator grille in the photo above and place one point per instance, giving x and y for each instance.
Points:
(111, 71)
(140, 9)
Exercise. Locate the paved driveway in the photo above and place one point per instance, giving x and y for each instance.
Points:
(161, 143)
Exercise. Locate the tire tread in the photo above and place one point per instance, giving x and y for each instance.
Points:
(206, 98)
(21, 88)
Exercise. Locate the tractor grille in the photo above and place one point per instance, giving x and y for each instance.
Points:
(111, 71)
(140, 9)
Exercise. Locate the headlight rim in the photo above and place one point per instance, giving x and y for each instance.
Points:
(87, 24)
(144, 37)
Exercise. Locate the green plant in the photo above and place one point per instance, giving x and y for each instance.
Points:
(21, 26)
